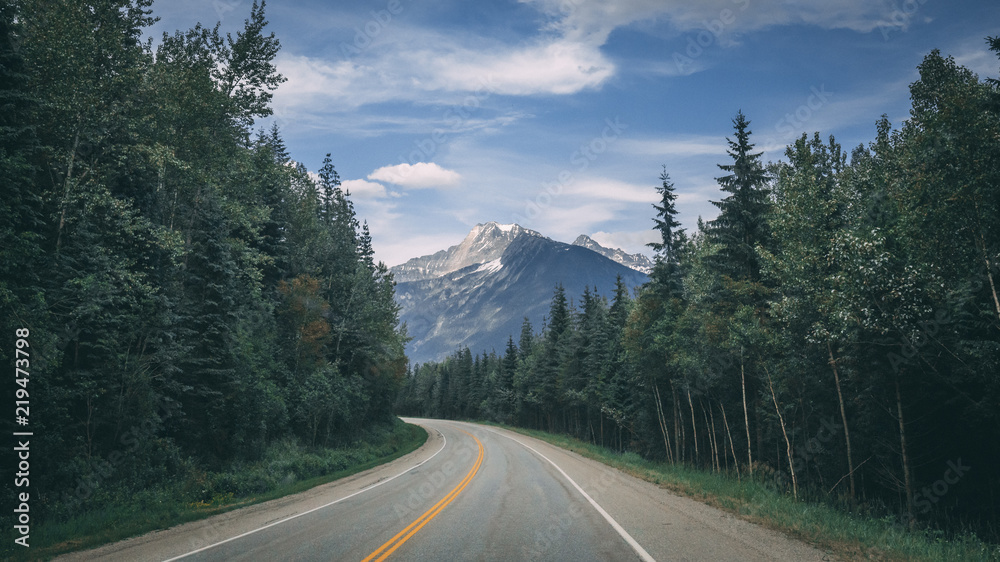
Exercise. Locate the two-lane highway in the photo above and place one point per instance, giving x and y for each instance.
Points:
(470, 493)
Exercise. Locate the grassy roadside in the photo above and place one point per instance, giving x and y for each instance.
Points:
(286, 469)
(849, 536)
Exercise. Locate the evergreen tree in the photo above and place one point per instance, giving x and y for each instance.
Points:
(742, 222)
(666, 274)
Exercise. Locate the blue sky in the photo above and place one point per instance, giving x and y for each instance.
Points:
(559, 114)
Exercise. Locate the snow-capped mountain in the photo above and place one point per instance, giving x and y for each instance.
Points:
(477, 293)
(637, 262)
(485, 243)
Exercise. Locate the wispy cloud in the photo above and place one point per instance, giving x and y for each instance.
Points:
(975, 56)
(417, 176)
(674, 146)
(611, 191)
(440, 68)
(593, 20)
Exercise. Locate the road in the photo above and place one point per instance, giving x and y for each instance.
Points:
(470, 493)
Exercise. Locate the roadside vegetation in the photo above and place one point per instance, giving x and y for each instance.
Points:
(286, 468)
(850, 532)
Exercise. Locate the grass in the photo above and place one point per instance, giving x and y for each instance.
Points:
(286, 469)
(849, 536)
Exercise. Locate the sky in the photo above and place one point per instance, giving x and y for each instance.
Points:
(560, 115)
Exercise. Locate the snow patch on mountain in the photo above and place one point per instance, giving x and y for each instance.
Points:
(491, 267)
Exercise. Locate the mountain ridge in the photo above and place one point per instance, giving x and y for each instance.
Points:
(513, 276)
(637, 262)
(486, 242)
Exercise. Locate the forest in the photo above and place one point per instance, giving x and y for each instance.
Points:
(834, 332)
(189, 295)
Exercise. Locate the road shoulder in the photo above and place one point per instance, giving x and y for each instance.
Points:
(187, 537)
(669, 526)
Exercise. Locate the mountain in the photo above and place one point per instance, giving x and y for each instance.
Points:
(485, 243)
(478, 293)
(637, 262)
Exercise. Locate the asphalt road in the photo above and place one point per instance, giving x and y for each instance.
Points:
(470, 493)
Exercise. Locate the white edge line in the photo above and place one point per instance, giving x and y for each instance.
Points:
(287, 519)
(614, 524)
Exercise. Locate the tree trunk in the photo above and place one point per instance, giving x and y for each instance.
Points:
(663, 424)
(70, 161)
(712, 457)
(906, 458)
(843, 417)
(746, 415)
(788, 444)
(694, 429)
(715, 442)
(989, 266)
(732, 448)
(678, 450)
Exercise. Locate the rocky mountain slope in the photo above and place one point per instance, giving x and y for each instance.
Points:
(477, 293)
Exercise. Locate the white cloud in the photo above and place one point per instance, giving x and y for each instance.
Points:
(611, 190)
(417, 176)
(675, 146)
(363, 189)
(978, 59)
(633, 241)
(315, 83)
(548, 67)
(442, 67)
(563, 222)
(593, 20)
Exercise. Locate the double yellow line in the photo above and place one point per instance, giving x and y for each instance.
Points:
(395, 542)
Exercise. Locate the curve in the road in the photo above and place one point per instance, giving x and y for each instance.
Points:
(518, 498)
(412, 529)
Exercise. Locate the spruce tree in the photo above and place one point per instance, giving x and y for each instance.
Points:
(666, 274)
(742, 222)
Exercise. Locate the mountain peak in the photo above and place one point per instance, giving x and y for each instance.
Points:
(495, 229)
(637, 262)
(485, 243)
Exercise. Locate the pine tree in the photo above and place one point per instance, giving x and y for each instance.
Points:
(742, 222)
(666, 275)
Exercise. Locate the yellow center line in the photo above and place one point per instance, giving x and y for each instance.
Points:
(411, 529)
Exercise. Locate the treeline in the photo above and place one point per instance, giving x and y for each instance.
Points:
(192, 295)
(834, 331)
